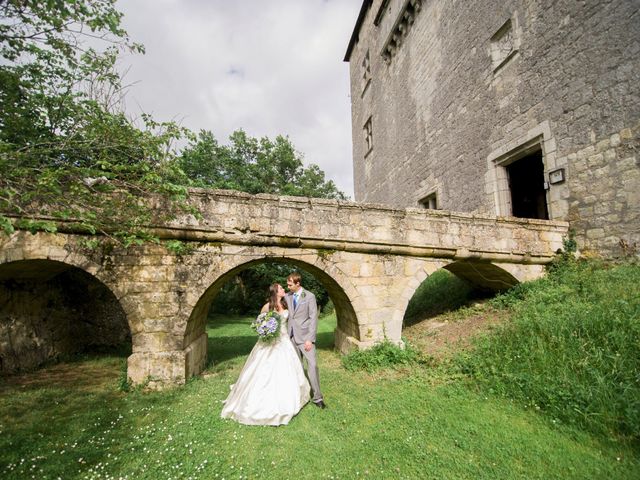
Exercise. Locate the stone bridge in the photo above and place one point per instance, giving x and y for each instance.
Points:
(370, 258)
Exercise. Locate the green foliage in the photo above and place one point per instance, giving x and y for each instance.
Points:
(179, 248)
(253, 165)
(384, 354)
(124, 384)
(248, 291)
(6, 225)
(325, 253)
(65, 149)
(90, 243)
(36, 225)
(572, 349)
(569, 244)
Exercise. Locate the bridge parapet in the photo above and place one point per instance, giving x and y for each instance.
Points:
(269, 220)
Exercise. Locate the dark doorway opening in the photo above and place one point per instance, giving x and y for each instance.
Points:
(527, 186)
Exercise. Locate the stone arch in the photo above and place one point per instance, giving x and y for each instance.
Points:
(425, 270)
(340, 291)
(483, 275)
(42, 246)
(51, 309)
(23, 245)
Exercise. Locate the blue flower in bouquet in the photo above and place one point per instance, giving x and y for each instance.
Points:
(267, 326)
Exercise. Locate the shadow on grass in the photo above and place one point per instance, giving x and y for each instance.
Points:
(82, 370)
(224, 349)
(231, 338)
(324, 341)
(440, 293)
(74, 403)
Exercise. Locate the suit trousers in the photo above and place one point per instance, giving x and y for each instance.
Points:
(312, 369)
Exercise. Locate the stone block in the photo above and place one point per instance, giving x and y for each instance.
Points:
(601, 209)
(366, 270)
(603, 145)
(559, 210)
(155, 342)
(157, 370)
(595, 233)
(615, 140)
(196, 356)
(345, 343)
(596, 160)
(628, 163)
(626, 134)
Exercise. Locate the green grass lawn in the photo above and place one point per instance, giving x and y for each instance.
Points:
(71, 421)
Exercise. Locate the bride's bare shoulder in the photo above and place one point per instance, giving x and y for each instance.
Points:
(265, 308)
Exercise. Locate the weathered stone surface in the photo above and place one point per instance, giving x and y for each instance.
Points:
(49, 310)
(196, 356)
(442, 109)
(165, 298)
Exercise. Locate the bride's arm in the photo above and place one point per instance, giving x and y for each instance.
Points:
(265, 309)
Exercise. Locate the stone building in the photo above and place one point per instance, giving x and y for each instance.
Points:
(526, 108)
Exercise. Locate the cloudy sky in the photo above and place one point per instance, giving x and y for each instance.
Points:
(267, 66)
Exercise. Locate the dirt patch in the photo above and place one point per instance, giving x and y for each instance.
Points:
(439, 336)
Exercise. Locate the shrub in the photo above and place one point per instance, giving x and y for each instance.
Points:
(382, 355)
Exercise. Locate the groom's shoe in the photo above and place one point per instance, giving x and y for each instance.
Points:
(320, 404)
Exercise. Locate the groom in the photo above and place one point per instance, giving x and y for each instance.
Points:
(303, 324)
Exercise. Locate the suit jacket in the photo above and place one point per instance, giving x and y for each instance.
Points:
(303, 320)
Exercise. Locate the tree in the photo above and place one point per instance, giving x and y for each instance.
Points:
(67, 150)
(247, 292)
(253, 165)
(63, 141)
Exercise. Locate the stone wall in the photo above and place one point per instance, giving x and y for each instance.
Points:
(604, 203)
(443, 110)
(53, 313)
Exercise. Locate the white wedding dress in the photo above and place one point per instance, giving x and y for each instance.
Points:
(272, 387)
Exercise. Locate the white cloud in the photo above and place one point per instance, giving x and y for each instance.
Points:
(269, 67)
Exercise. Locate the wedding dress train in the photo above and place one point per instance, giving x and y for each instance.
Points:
(272, 387)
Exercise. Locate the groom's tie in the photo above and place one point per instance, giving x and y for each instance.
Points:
(295, 300)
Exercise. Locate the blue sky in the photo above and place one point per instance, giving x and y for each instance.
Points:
(270, 67)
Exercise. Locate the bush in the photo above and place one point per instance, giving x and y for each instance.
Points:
(382, 355)
(572, 349)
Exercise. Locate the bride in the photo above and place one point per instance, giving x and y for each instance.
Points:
(272, 387)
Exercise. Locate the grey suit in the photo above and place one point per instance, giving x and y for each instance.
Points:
(303, 325)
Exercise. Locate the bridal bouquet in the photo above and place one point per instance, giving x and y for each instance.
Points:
(267, 326)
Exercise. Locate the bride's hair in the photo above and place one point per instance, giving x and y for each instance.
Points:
(273, 297)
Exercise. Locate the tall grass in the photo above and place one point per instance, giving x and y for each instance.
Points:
(572, 348)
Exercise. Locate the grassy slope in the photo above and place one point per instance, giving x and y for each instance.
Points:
(418, 423)
(571, 349)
